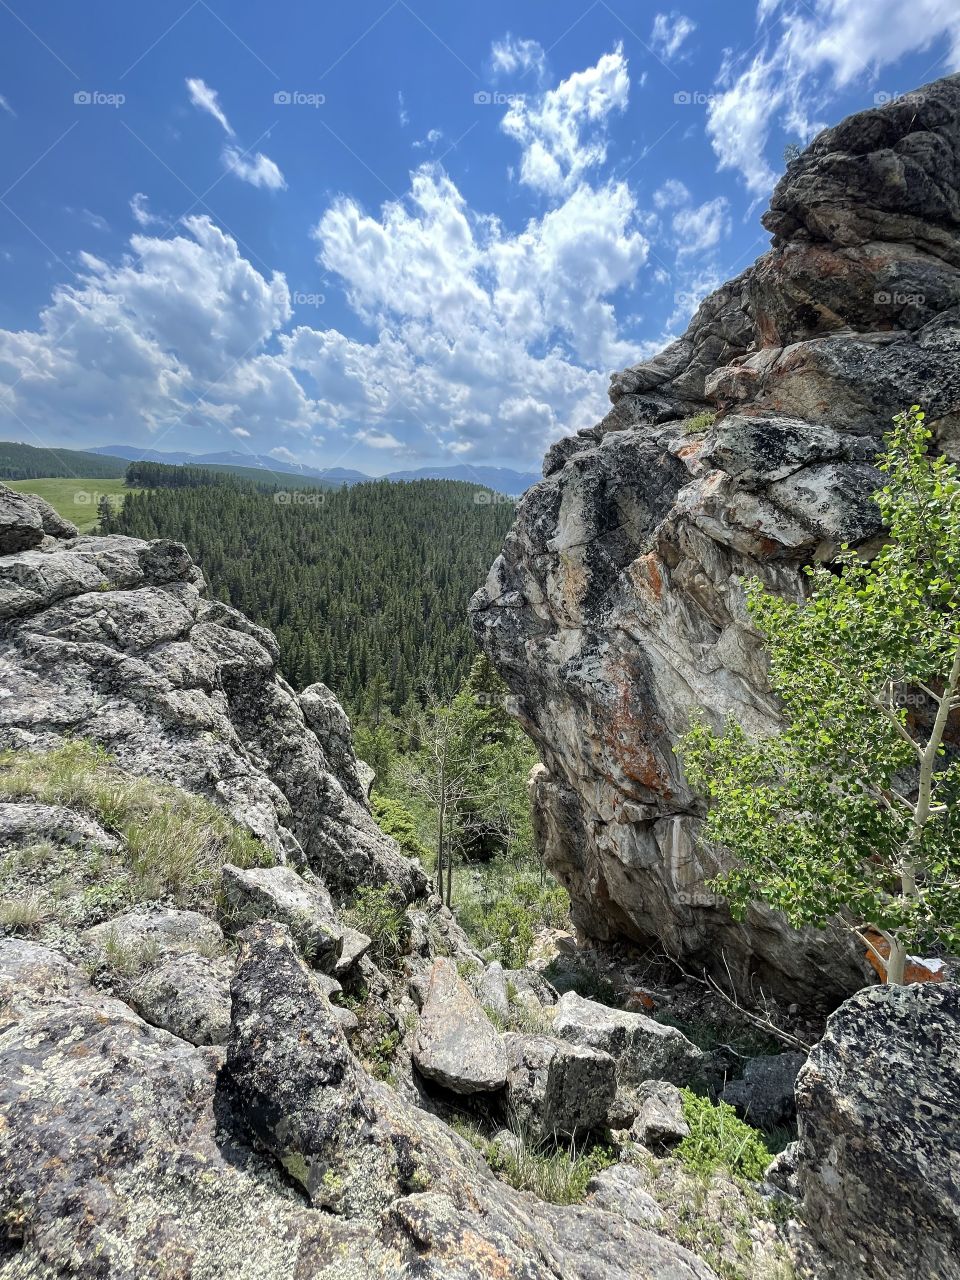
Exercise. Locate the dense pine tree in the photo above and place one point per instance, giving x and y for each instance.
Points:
(365, 588)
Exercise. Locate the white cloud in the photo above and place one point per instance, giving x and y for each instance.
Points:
(511, 56)
(96, 220)
(404, 117)
(701, 228)
(482, 340)
(820, 48)
(173, 335)
(673, 192)
(669, 32)
(202, 96)
(258, 170)
(283, 454)
(5, 106)
(378, 439)
(433, 137)
(140, 208)
(563, 131)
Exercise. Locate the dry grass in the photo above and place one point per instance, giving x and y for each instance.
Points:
(173, 843)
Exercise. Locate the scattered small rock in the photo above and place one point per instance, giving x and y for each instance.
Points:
(659, 1124)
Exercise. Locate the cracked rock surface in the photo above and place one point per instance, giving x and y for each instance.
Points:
(616, 609)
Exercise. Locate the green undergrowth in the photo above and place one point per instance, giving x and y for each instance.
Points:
(382, 917)
(699, 422)
(171, 844)
(719, 1139)
(502, 907)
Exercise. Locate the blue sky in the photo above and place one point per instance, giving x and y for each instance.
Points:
(391, 234)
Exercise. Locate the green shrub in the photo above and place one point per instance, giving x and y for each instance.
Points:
(718, 1138)
(378, 914)
(395, 819)
(699, 422)
(503, 908)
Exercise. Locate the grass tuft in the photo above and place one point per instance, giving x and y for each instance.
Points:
(378, 914)
(699, 422)
(173, 843)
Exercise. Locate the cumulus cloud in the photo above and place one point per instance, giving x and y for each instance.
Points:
(563, 131)
(820, 48)
(511, 56)
(378, 439)
(701, 228)
(172, 335)
(481, 340)
(202, 96)
(673, 192)
(259, 170)
(670, 30)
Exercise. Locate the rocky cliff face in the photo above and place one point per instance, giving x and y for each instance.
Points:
(616, 609)
(188, 1047)
(112, 639)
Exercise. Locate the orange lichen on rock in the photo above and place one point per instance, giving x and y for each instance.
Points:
(916, 970)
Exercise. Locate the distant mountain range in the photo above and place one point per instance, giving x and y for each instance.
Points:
(502, 479)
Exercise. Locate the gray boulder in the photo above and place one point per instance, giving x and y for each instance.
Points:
(878, 1161)
(25, 823)
(557, 1089)
(660, 1122)
(25, 520)
(622, 1189)
(765, 1094)
(188, 996)
(493, 991)
(642, 1048)
(279, 893)
(157, 933)
(455, 1043)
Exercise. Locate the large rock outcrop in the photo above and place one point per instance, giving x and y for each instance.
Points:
(112, 638)
(126, 1152)
(878, 1162)
(616, 610)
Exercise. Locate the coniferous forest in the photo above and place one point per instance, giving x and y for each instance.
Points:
(365, 588)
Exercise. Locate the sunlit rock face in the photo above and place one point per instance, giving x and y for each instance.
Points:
(616, 609)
